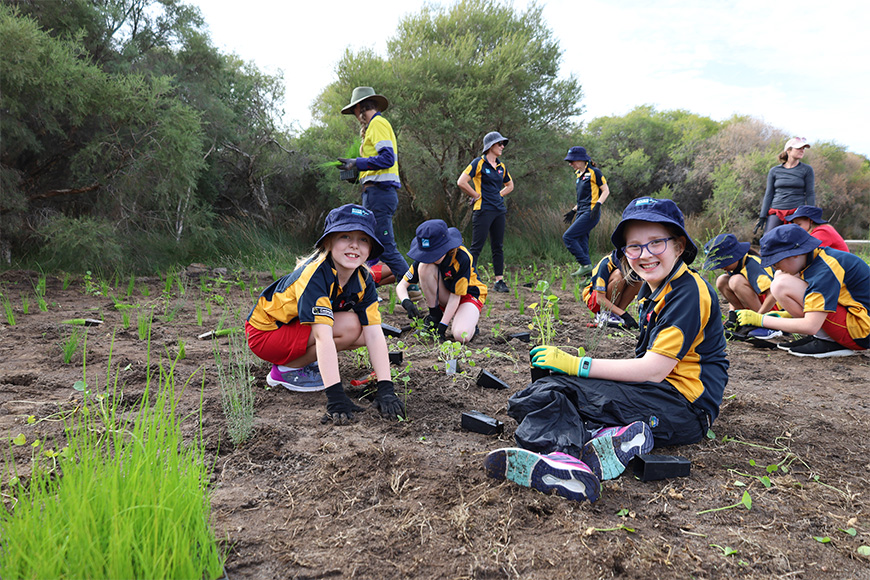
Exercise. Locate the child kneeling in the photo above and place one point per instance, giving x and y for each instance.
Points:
(613, 291)
(327, 304)
(443, 267)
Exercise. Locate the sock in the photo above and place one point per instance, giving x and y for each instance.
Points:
(284, 369)
(824, 335)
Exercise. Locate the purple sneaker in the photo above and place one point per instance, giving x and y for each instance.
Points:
(610, 450)
(554, 473)
(307, 379)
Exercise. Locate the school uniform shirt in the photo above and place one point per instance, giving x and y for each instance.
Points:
(488, 182)
(601, 275)
(379, 157)
(834, 277)
(829, 237)
(750, 268)
(457, 273)
(588, 184)
(312, 294)
(681, 320)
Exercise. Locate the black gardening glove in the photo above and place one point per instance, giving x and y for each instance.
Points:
(433, 318)
(411, 308)
(386, 401)
(346, 164)
(568, 218)
(339, 407)
(628, 320)
(441, 331)
(760, 225)
(596, 209)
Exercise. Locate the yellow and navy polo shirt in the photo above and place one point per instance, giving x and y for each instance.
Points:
(601, 275)
(312, 294)
(589, 183)
(834, 277)
(488, 182)
(681, 320)
(457, 273)
(379, 157)
(750, 268)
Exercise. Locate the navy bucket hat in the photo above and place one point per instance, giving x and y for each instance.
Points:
(351, 217)
(784, 242)
(723, 250)
(577, 154)
(808, 211)
(663, 211)
(433, 240)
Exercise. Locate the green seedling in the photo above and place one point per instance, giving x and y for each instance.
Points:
(66, 279)
(125, 319)
(143, 324)
(864, 551)
(488, 309)
(726, 551)
(39, 290)
(391, 301)
(7, 308)
(198, 314)
(360, 357)
(70, 346)
(616, 529)
(850, 531)
(522, 305)
(745, 501)
(25, 304)
(90, 285)
(145, 291)
(822, 539)
(578, 295)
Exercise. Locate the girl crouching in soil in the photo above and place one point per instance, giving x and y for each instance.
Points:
(584, 425)
(611, 290)
(327, 304)
(443, 268)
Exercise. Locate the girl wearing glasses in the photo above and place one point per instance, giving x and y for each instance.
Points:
(585, 423)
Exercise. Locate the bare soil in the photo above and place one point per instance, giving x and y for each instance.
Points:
(382, 499)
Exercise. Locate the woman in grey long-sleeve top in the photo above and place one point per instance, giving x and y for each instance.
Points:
(789, 186)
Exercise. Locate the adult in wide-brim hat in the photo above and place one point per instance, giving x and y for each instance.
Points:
(360, 94)
(433, 240)
(491, 139)
(723, 250)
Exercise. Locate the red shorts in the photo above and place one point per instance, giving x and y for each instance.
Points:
(835, 326)
(592, 302)
(781, 213)
(466, 299)
(279, 346)
(377, 272)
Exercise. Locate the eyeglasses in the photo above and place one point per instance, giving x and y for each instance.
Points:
(654, 247)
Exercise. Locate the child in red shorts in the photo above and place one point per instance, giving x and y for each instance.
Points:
(327, 304)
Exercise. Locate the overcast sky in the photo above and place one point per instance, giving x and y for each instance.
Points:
(801, 65)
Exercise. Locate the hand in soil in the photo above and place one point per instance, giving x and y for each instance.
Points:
(386, 401)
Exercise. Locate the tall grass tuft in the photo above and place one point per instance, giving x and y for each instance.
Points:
(7, 309)
(132, 501)
(70, 346)
(237, 387)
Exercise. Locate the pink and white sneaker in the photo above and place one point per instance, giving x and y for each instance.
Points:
(557, 473)
(610, 450)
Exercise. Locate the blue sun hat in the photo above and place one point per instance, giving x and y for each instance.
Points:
(808, 211)
(351, 217)
(784, 242)
(663, 211)
(577, 154)
(723, 250)
(433, 240)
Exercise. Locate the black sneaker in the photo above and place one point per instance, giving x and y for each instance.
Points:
(793, 343)
(818, 348)
(500, 286)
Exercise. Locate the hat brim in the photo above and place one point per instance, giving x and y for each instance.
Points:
(570, 158)
(716, 261)
(618, 237)
(381, 101)
(377, 247)
(806, 247)
(491, 145)
(430, 255)
(794, 216)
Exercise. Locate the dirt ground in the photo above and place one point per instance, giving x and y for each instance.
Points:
(381, 499)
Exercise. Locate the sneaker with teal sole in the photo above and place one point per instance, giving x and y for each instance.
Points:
(609, 452)
(557, 473)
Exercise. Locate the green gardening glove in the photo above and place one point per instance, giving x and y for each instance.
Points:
(749, 318)
(551, 358)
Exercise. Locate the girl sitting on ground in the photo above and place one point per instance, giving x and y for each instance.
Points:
(825, 292)
(443, 269)
(327, 304)
(745, 284)
(584, 424)
(612, 291)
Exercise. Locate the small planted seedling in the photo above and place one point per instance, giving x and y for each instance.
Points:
(143, 324)
(70, 346)
(7, 308)
(745, 501)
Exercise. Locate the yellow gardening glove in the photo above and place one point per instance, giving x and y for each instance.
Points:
(749, 318)
(780, 314)
(551, 358)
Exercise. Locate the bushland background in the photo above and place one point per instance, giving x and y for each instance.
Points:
(131, 144)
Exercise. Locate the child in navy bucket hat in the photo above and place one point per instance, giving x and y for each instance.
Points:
(590, 417)
(745, 284)
(327, 304)
(444, 269)
(591, 191)
(809, 217)
(825, 292)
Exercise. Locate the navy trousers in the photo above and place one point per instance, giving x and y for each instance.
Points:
(576, 237)
(383, 200)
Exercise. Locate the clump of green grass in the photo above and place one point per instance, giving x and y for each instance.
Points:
(7, 308)
(132, 501)
(143, 323)
(70, 346)
(237, 387)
